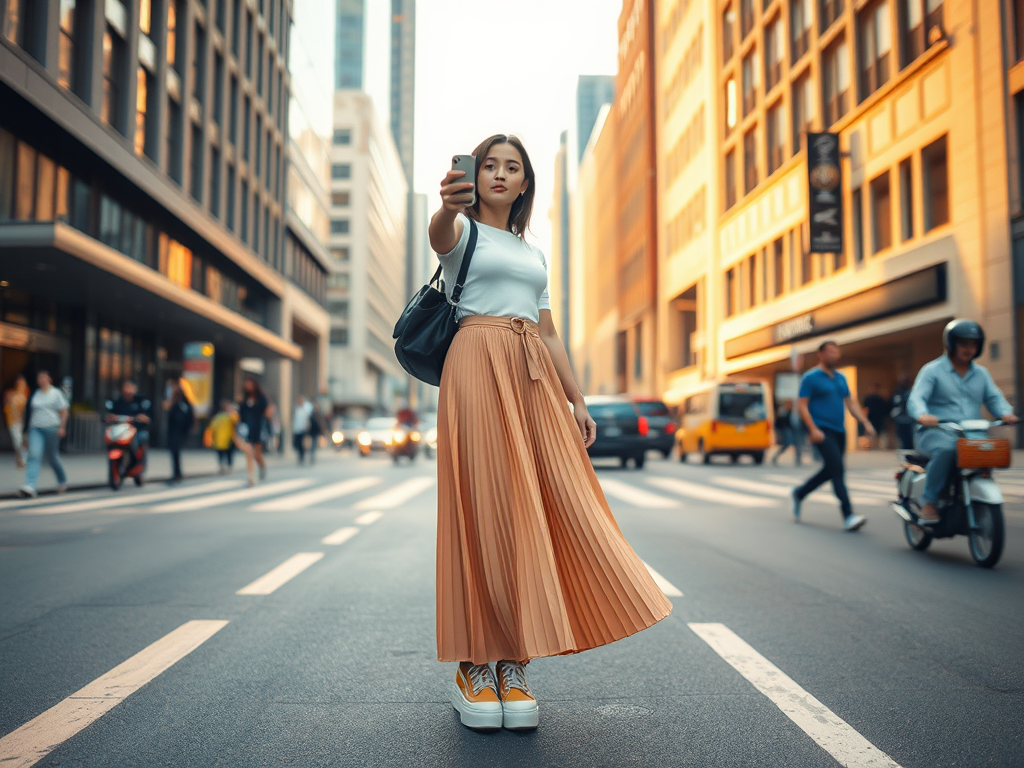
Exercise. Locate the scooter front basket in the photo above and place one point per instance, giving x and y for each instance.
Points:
(989, 453)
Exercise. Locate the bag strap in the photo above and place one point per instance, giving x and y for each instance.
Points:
(460, 282)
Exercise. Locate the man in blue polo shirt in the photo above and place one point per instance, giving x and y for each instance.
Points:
(824, 398)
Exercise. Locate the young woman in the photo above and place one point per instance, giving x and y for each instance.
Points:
(530, 561)
(254, 412)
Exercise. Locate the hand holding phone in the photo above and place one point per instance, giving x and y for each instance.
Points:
(466, 164)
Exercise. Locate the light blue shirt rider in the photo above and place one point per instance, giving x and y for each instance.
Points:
(940, 391)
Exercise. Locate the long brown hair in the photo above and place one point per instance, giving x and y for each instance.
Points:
(522, 208)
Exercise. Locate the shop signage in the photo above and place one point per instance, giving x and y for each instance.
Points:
(198, 374)
(919, 289)
(825, 193)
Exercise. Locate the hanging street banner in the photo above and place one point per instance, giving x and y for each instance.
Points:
(825, 193)
(198, 376)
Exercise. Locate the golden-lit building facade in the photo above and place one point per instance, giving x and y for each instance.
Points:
(1013, 29)
(914, 89)
(635, 350)
(685, 106)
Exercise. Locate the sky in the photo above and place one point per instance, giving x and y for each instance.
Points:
(495, 66)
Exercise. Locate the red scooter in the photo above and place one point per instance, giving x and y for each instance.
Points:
(122, 462)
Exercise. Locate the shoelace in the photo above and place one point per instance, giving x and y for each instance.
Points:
(480, 677)
(513, 675)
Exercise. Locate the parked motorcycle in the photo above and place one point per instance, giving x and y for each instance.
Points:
(121, 462)
(970, 505)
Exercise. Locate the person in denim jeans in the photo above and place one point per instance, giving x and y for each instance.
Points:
(47, 424)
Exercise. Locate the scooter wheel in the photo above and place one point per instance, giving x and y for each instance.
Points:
(918, 538)
(986, 541)
(114, 478)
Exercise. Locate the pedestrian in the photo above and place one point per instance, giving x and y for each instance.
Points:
(823, 395)
(180, 418)
(15, 402)
(47, 418)
(902, 420)
(877, 407)
(222, 431)
(316, 429)
(301, 417)
(530, 561)
(253, 431)
(786, 432)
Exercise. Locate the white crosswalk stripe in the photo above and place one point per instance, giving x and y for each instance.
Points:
(398, 495)
(315, 496)
(132, 499)
(637, 496)
(231, 497)
(710, 493)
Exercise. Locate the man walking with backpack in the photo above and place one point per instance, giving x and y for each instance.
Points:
(824, 398)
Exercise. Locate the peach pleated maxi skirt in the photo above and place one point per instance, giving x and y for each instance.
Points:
(530, 561)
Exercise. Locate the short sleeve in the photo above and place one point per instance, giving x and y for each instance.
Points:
(545, 297)
(845, 388)
(453, 259)
(806, 387)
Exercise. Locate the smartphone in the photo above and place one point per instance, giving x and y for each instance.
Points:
(466, 163)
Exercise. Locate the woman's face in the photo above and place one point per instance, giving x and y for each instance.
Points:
(501, 178)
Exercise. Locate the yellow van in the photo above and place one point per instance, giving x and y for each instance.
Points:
(729, 418)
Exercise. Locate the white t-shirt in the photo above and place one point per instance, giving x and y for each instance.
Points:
(46, 408)
(507, 277)
(302, 417)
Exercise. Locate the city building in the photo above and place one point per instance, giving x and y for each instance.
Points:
(594, 274)
(592, 93)
(142, 203)
(636, 182)
(1013, 42)
(684, 108)
(367, 244)
(913, 91)
(559, 285)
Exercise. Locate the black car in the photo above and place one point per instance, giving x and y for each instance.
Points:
(621, 429)
(661, 434)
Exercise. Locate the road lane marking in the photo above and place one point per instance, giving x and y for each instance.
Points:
(743, 484)
(832, 733)
(667, 587)
(398, 495)
(820, 496)
(50, 498)
(341, 535)
(637, 496)
(315, 496)
(285, 572)
(708, 493)
(219, 499)
(135, 499)
(38, 737)
(368, 518)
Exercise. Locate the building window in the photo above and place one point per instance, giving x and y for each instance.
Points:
(935, 182)
(800, 25)
(175, 143)
(730, 179)
(113, 53)
(875, 48)
(229, 204)
(774, 52)
(881, 214)
(215, 182)
(218, 89)
(730, 105)
(751, 79)
(221, 12)
(728, 33)
(172, 32)
(746, 17)
(340, 199)
(778, 268)
(730, 292)
(750, 273)
(244, 218)
(259, 146)
(836, 82)
(248, 45)
(340, 254)
(749, 160)
(236, 26)
(342, 136)
(830, 11)
(339, 336)
(198, 64)
(857, 224)
(233, 111)
(144, 87)
(806, 258)
(919, 18)
(197, 163)
(341, 171)
(775, 135)
(803, 110)
(906, 201)
(339, 226)
(246, 115)
(66, 54)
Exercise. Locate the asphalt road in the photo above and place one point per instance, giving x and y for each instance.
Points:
(791, 645)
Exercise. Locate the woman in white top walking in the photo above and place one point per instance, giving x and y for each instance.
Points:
(47, 424)
(530, 561)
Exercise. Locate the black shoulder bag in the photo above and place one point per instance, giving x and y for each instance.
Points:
(426, 328)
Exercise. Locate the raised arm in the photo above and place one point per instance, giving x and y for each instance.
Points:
(444, 229)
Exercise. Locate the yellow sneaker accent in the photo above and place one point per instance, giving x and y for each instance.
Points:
(519, 708)
(475, 696)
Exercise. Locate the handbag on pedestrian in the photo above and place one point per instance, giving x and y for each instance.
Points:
(425, 330)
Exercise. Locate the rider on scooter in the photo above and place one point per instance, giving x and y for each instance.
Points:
(128, 404)
(951, 388)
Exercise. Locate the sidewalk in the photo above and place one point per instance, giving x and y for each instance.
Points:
(89, 470)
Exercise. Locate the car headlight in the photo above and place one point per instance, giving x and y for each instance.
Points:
(414, 436)
(338, 437)
(398, 436)
(431, 435)
(364, 439)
